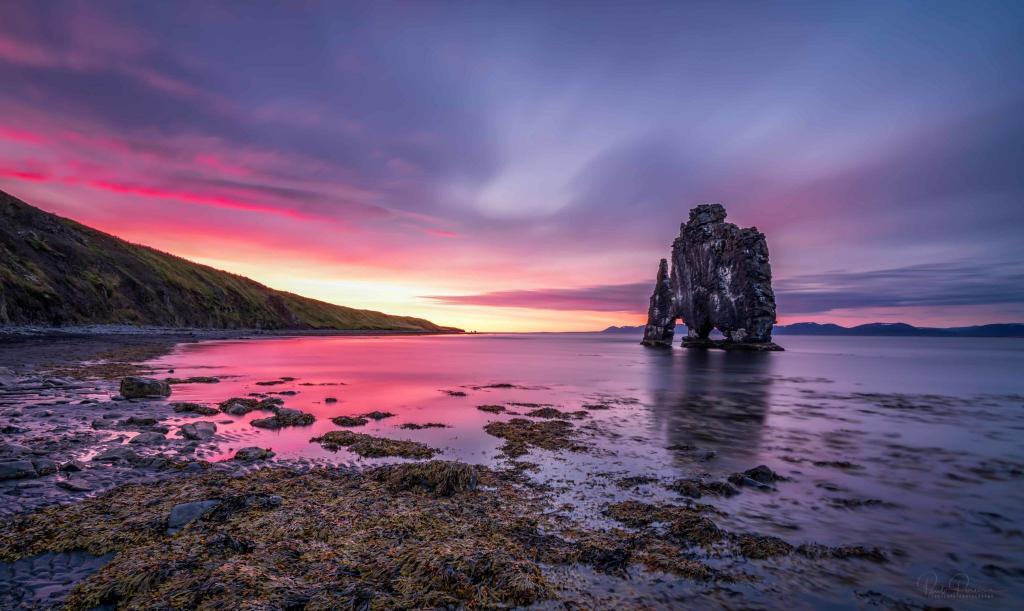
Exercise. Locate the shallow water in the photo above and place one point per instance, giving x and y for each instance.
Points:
(911, 445)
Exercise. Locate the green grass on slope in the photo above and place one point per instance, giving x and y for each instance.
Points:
(58, 272)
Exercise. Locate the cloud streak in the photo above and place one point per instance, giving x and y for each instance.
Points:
(954, 284)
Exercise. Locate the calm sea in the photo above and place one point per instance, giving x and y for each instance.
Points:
(912, 445)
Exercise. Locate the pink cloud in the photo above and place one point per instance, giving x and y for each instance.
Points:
(22, 136)
(194, 198)
(442, 233)
(24, 175)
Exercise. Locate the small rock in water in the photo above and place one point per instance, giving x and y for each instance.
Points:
(185, 513)
(193, 380)
(253, 453)
(195, 408)
(349, 420)
(148, 439)
(17, 469)
(412, 426)
(134, 387)
(330, 400)
(239, 406)
(116, 454)
(44, 466)
(14, 449)
(73, 466)
(74, 484)
(762, 475)
(285, 417)
(378, 415)
(198, 431)
(102, 423)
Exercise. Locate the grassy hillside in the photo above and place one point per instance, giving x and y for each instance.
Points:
(54, 271)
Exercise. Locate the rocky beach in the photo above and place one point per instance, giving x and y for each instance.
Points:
(299, 491)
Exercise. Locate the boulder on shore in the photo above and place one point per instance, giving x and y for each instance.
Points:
(198, 431)
(148, 438)
(134, 387)
(17, 469)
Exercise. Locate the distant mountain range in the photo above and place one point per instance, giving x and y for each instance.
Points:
(55, 272)
(875, 329)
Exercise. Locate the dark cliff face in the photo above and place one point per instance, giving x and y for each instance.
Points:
(720, 279)
(54, 271)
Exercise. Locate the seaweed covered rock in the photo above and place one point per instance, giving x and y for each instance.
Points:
(758, 477)
(253, 453)
(440, 477)
(194, 408)
(193, 380)
(521, 434)
(556, 414)
(349, 420)
(134, 387)
(696, 487)
(240, 406)
(763, 546)
(285, 416)
(720, 279)
(378, 415)
(369, 446)
(413, 426)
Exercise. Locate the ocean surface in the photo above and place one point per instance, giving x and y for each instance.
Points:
(911, 445)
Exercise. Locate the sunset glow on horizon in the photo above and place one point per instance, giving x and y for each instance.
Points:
(528, 176)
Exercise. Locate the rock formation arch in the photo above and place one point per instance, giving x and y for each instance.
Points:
(720, 279)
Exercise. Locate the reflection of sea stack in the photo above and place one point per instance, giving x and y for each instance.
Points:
(720, 279)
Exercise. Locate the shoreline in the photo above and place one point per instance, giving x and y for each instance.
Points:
(42, 331)
(532, 533)
(56, 346)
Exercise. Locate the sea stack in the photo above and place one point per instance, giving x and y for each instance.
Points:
(720, 279)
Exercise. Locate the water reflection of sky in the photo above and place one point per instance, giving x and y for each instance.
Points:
(924, 429)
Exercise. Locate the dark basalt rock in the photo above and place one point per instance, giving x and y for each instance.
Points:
(720, 279)
(134, 387)
(662, 314)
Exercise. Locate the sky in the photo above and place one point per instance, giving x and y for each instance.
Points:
(523, 166)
